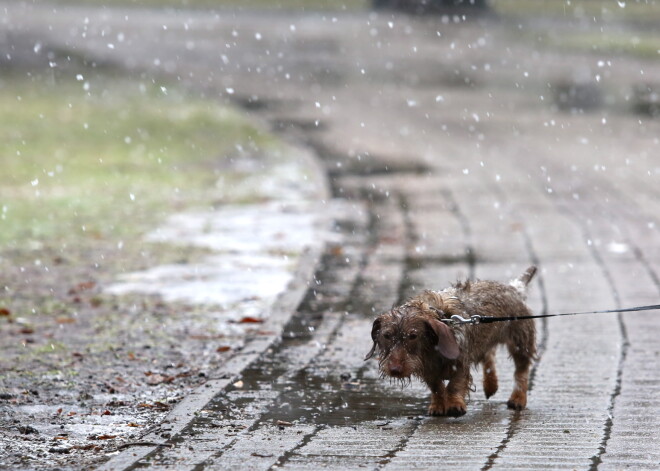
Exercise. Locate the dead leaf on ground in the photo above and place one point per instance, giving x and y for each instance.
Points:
(251, 320)
(26, 330)
(283, 423)
(223, 348)
(84, 286)
(102, 437)
(5, 312)
(133, 424)
(65, 320)
(337, 250)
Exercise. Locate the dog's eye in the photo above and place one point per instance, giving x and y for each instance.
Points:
(387, 336)
(412, 336)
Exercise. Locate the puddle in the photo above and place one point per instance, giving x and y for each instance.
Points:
(257, 249)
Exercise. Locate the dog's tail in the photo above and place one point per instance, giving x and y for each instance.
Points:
(520, 283)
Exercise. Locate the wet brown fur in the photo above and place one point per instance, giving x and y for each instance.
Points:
(411, 341)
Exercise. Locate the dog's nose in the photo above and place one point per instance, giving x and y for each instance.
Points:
(396, 370)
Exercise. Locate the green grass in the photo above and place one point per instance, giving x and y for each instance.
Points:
(622, 10)
(109, 161)
(641, 44)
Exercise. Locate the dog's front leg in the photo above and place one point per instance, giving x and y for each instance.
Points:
(438, 398)
(457, 388)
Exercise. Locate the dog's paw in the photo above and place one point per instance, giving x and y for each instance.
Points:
(515, 405)
(437, 411)
(517, 401)
(456, 411)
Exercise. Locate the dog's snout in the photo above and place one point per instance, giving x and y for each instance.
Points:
(396, 370)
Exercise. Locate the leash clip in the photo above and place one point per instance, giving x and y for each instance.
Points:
(474, 320)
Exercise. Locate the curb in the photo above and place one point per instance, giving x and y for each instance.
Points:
(281, 312)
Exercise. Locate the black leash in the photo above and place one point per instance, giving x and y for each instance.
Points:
(477, 319)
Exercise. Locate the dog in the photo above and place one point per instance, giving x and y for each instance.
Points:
(413, 341)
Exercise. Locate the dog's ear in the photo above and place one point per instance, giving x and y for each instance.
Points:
(446, 342)
(375, 329)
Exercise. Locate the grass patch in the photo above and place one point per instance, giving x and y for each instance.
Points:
(641, 44)
(108, 158)
(600, 10)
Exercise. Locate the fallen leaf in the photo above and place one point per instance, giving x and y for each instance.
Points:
(26, 330)
(102, 437)
(131, 356)
(4, 311)
(78, 355)
(65, 320)
(84, 286)
(133, 424)
(223, 348)
(106, 412)
(71, 414)
(283, 423)
(250, 320)
(337, 250)
(238, 384)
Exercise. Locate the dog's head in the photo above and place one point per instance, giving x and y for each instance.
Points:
(404, 336)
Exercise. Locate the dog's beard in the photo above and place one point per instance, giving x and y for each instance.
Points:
(415, 368)
(401, 382)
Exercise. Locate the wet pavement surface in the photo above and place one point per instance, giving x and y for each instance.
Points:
(448, 155)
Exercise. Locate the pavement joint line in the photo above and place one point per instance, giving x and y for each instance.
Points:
(304, 442)
(625, 343)
(513, 425)
(404, 207)
(321, 335)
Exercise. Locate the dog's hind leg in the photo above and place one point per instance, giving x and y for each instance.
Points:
(490, 374)
(518, 399)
